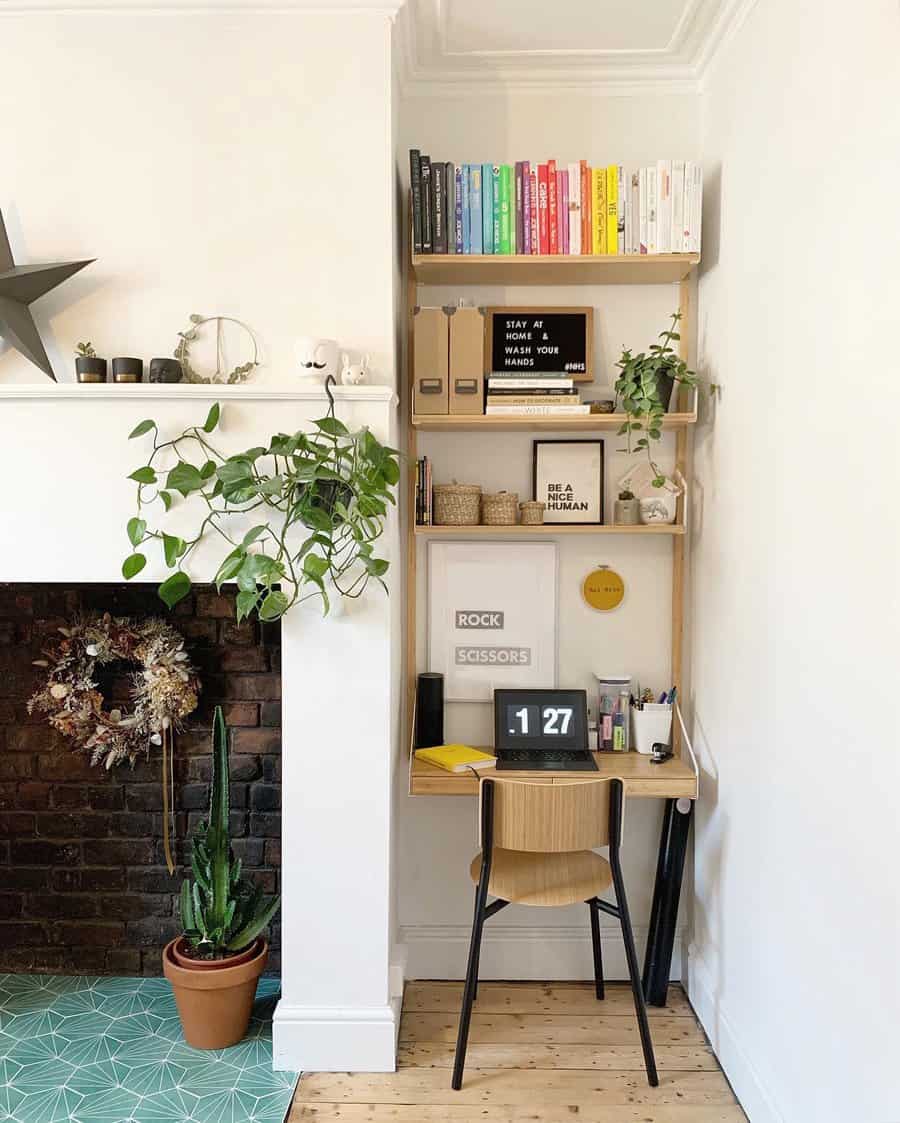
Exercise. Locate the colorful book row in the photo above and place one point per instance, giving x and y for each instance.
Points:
(571, 209)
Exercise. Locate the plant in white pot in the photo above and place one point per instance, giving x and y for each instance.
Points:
(215, 965)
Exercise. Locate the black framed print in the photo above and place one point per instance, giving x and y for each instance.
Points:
(568, 478)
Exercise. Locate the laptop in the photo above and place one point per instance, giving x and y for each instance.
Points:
(542, 731)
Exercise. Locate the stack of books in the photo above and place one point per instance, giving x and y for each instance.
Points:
(424, 512)
(533, 208)
(543, 395)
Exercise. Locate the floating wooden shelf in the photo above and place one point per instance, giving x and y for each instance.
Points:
(551, 269)
(672, 779)
(479, 423)
(547, 530)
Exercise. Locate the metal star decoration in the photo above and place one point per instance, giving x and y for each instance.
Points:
(20, 286)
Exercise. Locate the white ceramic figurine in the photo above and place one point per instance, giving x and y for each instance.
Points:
(353, 374)
(317, 358)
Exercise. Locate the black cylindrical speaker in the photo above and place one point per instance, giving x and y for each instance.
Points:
(429, 710)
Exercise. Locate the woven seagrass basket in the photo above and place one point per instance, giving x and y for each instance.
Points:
(457, 504)
(500, 508)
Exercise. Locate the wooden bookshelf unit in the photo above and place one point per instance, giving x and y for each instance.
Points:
(477, 269)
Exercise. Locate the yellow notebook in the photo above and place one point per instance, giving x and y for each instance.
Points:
(598, 208)
(456, 758)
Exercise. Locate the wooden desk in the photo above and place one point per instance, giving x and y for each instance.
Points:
(673, 779)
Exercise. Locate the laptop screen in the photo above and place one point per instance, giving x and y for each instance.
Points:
(540, 719)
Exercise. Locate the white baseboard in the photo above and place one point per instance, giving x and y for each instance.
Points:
(756, 1100)
(335, 1039)
(440, 952)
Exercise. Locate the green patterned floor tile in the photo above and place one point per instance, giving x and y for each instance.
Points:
(110, 1050)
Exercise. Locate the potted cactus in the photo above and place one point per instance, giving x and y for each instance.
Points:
(215, 965)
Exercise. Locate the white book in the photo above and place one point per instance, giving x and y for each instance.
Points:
(574, 208)
(663, 206)
(642, 210)
(621, 200)
(652, 245)
(632, 215)
(538, 411)
(688, 206)
(535, 383)
(677, 236)
(629, 216)
(696, 210)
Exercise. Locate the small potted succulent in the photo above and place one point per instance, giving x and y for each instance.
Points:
(215, 965)
(88, 368)
(628, 509)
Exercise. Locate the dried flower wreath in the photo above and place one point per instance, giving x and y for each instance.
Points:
(164, 689)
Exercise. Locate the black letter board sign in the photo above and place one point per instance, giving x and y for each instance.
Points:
(528, 341)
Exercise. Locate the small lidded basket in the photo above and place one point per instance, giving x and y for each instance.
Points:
(499, 508)
(457, 504)
(532, 512)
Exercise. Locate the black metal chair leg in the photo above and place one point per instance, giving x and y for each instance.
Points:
(637, 990)
(477, 955)
(598, 954)
(471, 987)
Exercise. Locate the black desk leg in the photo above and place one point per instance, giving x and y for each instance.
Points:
(676, 826)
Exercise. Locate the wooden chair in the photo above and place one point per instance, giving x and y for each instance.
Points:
(537, 849)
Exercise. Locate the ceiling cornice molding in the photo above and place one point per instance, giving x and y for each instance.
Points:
(387, 8)
(425, 69)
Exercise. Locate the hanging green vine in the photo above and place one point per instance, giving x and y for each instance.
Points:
(322, 501)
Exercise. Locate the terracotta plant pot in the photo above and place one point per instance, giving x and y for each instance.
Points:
(183, 959)
(214, 1004)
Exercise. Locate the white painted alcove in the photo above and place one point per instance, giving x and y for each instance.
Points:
(64, 459)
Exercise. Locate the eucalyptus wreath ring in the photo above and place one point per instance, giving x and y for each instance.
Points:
(185, 338)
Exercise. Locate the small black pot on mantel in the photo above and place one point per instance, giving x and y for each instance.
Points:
(165, 370)
(128, 370)
(90, 369)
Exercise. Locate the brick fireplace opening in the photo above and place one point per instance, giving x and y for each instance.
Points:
(83, 881)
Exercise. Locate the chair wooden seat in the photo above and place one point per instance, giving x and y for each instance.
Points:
(551, 880)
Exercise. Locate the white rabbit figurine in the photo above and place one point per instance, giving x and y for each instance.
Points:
(352, 374)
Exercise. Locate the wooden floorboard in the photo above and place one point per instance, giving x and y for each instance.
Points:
(538, 1053)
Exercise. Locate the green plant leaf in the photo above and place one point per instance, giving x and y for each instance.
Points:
(377, 567)
(314, 566)
(332, 427)
(212, 418)
(173, 548)
(174, 588)
(166, 499)
(245, 603)
(274, 605)
(135, 530)
(235, 470)
(184, 478)
(144, 475)
(208, 469)
(141, 428)
(229, 567)
(133, 565)
(254, 533)
(317, 519)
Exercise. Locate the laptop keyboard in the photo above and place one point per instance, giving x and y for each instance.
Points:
(530, 756)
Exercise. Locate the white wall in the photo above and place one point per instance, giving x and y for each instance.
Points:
(436, 836)
(217, 163)
(236, 162)
(797, 915)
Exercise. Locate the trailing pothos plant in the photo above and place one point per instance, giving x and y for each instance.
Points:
(639, 389)
(320, 497)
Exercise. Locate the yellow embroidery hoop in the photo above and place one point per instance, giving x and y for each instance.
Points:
(603, 589)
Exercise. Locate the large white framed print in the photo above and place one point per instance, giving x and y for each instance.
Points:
(492, 616)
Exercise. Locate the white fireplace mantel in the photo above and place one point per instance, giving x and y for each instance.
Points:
(65, 457)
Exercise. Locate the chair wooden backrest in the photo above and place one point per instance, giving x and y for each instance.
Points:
(550, 818)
